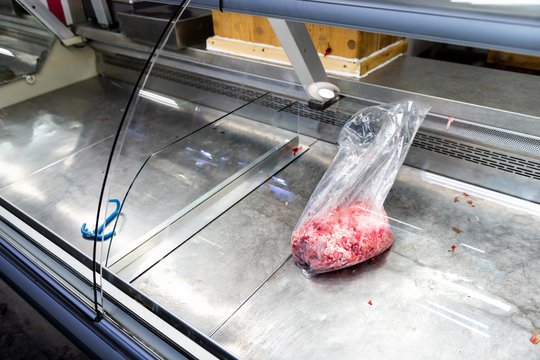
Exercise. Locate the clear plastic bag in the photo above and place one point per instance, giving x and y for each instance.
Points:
(344, 222)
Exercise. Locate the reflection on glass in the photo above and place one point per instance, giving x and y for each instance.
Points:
(181, 175)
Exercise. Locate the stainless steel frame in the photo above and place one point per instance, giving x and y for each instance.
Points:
(298, 46)
(36, 8)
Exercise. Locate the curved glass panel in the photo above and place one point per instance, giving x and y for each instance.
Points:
(181, 176)
(184, 153)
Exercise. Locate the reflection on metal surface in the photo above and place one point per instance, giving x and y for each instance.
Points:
(32, 191)
(393, 219)
(458, 314)
(160, 99)
(473, 248)
(475, 294)
(6, 52)
(473, 329)
(506, 200)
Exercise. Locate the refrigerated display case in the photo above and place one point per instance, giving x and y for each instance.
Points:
(199, 164)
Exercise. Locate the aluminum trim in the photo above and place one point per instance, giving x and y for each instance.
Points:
(146, 320)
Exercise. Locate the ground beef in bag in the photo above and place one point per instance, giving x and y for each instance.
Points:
(342, 237)
(344, 221)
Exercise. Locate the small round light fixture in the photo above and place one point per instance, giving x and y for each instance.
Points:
(323, 90)
(327, 93)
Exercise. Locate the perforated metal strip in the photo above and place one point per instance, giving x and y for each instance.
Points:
(497, 160)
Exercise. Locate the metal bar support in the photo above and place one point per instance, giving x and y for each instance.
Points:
(298, 46)
(51, 22)
(101, 10)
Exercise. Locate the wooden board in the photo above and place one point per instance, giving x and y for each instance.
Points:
(347, 43)
(332, 64)
(514, 60)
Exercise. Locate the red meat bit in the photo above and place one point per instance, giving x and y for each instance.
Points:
(456, 230)
(450, 121)
(456, 199)
(341, 237)
(404, 207)
(453, 248)
(295, 150)
(369, 302)
(328, 50)
(469, 202)
(535, 339)
(465, 194)
(267, 175)
(473, 205)
(222, 132)
(214, 128)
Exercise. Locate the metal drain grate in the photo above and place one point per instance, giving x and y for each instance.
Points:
(482, 134)
(493, 159)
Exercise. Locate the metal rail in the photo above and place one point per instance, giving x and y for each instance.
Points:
(512, 28)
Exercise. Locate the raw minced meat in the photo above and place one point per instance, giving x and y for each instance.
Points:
(342, 237)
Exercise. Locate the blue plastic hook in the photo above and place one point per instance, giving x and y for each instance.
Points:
(91, 235)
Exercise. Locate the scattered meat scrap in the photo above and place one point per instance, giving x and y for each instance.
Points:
(214, 128)
(453, 248)
(465, 194)
(404, 207)
(456, 199)
(469, 202)
(456, 230)
(535, 339)
(450, 121)
(370, 303)
(328, 50)
(295, 150)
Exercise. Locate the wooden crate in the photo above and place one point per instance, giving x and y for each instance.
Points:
(513, 60)
(353, 53)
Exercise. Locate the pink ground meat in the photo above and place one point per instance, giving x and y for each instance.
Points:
(340, 238)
